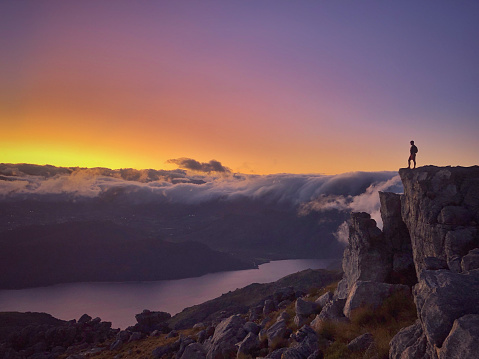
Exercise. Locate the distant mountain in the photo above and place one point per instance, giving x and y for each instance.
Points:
(92, 251)
(250, 228)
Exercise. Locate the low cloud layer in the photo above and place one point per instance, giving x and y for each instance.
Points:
(368, 202)
(355, 191)
(313, 192)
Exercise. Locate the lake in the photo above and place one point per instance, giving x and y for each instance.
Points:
(119, 302)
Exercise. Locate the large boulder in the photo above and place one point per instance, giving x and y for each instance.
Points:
(306, 343)
(148, 321)
(370, 293)
(248, 346)
(332, 311)
(223, 342)
(441, 297)
(368, 256)
(463, 340)
(194, 351)
(324, 299)
(409, 343)
(305, 308)
(277, 333)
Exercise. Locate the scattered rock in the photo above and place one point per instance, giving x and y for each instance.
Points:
(324, 299)
(409, 343)
(276, 334)
(305, 308)
(229, 332)
(194, 351)
(248, 346)
(148, 321)
(269, 307)
(361, 343)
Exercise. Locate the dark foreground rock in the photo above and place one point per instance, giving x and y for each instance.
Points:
(40, 335)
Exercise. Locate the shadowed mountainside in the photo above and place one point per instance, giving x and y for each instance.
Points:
(100, 251)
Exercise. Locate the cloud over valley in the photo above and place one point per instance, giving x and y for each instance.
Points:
(296, 214)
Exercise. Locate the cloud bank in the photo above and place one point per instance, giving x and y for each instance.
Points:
(355, 191)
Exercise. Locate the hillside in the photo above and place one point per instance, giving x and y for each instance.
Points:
(95, 251)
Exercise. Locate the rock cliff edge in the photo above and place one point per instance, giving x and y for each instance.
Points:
(429, 245)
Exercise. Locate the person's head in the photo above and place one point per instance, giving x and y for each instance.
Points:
(412, 142)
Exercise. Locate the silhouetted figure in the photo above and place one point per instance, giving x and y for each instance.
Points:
(412, 156)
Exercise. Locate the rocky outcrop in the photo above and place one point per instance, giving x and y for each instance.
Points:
(223, 343)
(430, 236)
(376, 263)
(440, 207)
(149, 321)
(53, 338)
(367, 256)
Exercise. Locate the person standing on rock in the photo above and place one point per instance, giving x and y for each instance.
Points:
(412, 156)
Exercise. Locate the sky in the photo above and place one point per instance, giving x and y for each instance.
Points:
(262, 86)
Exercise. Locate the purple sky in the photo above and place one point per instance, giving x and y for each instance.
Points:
(262, 86)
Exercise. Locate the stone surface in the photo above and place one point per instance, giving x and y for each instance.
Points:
(252, 327)
(276, 334)
(433, 263)
(194, 351)
(368, 256)
(285, 293)
(471, 260)
(443, 296)
(324, 299)
(269, 307)
(463, 340)
(47, 337)
(361, 343)
(305, 308)
(409, 343)
(438, 200)
(223, 343)
(306, 343)
(371, 294)
(248, 346)
(331, 311)
(300, 320)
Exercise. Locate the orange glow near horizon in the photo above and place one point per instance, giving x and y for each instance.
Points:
(262, 90)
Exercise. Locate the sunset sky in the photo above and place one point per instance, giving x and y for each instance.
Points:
(263, 86)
